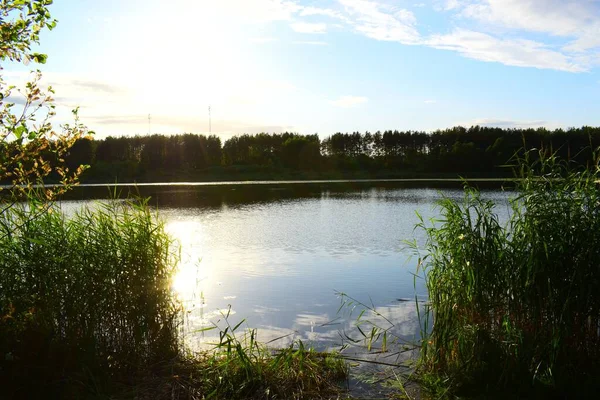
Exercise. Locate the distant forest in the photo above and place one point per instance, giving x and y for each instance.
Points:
(469, 152)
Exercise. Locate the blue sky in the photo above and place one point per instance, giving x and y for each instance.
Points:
(323, 66)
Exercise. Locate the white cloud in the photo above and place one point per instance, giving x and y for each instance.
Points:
(567, 32)
(508, 123)
(452, 4)
(578, 20)
(311, 42)
(502, 33)
(349, 101)
(311, 11)
(307, 27)
(515, 52)
(430, 101)
(382, 22)
(558, 17)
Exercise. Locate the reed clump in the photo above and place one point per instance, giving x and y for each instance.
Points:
(516, 306)
(84, 300)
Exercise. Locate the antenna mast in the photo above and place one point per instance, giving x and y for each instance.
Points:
(149, 125)
(209, 122)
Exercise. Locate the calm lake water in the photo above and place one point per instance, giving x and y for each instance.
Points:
(278, 256)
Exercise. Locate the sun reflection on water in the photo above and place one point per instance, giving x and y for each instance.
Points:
(193, 272)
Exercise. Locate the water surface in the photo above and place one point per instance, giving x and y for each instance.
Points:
(278, 257)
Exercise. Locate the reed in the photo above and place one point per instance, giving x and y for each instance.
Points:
(516, 305)
(84, 299)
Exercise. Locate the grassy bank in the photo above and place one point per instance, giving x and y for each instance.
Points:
(87, 311)
(515, 307)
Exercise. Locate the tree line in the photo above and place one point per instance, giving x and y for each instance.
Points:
(476, 151)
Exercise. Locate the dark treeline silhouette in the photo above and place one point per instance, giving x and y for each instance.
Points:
(471, 152)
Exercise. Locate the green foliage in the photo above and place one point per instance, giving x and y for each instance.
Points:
(21, 22)
(474, 152)
(516, 305)
(301, 153)
(30, 149)
(85, 301)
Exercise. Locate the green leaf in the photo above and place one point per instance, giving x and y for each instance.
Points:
(210, 328)
(19, 131)
(39, 58)
(238, 325)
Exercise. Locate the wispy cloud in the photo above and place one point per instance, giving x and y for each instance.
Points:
(349, 101)
(167, 124)
(430, 101)
(307, 27)
(382, 22)
(502, 31)
(576, 21)
(328, 12)
(310, 42)
(93, 85)
(452, 4)
(515, 52)
(506, 123)
(557, 17)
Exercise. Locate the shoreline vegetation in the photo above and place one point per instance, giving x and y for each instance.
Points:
(514, 308)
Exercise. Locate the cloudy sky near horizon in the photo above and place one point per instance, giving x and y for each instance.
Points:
(323, 66)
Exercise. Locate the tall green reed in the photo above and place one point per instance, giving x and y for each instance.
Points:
(517, 304)
(84, 299)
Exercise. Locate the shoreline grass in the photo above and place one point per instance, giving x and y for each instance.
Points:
(514, 308)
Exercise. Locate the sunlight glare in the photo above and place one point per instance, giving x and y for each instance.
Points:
(192, 272)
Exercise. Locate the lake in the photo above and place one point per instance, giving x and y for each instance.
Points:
(278, 255)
